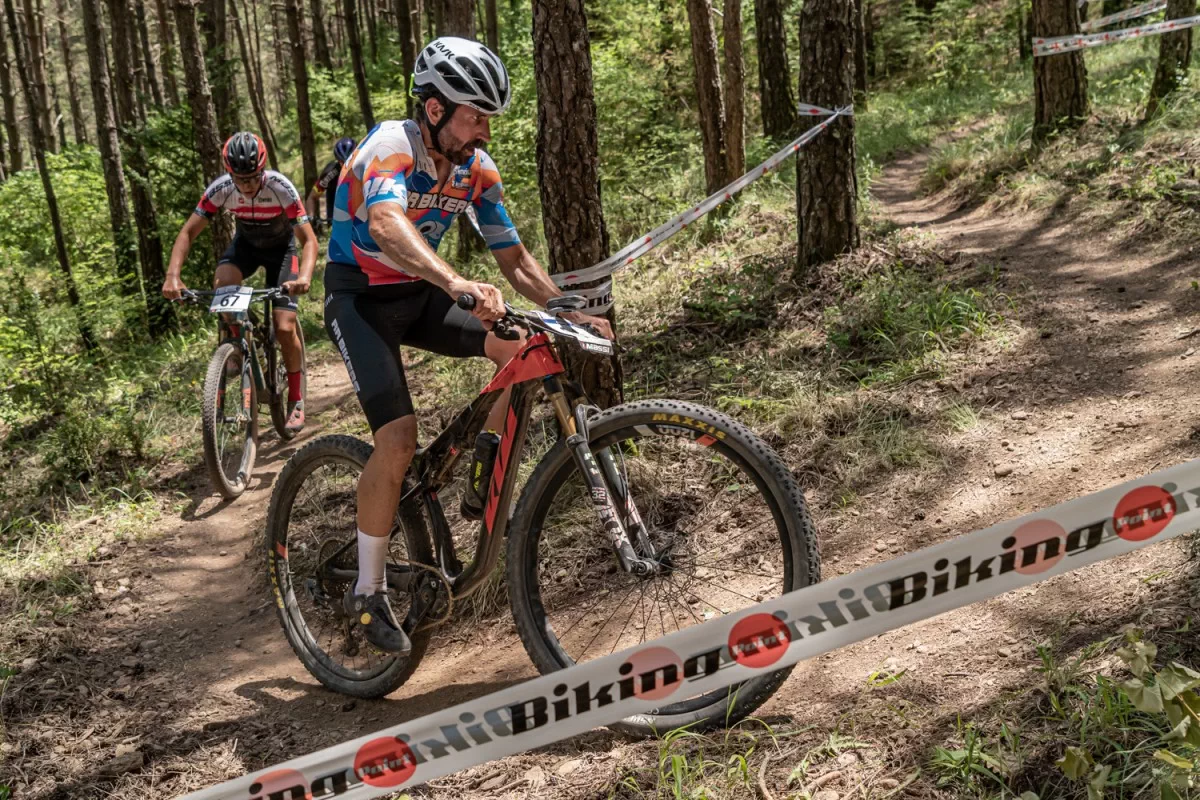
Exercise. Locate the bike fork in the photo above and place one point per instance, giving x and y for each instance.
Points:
(575, 426)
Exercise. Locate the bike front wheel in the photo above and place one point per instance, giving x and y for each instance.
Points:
(230, 420)
(728, 525)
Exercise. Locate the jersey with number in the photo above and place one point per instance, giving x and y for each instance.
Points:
(392, 166)
(265, 219)
(327, 179)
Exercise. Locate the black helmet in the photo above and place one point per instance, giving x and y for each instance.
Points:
(343, 149)
(244, 154)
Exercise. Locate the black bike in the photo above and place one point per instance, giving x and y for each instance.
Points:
(638, 521)
(230, 418)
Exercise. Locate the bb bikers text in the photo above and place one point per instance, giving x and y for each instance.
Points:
(757, 641)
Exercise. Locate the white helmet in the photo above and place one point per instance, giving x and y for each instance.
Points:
(464, 72)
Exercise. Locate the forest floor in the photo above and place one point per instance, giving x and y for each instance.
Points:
(177, 667)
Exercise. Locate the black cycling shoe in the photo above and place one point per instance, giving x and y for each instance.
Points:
(374, 613)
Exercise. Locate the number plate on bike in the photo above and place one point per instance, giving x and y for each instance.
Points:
(231, 299)
(587, 340)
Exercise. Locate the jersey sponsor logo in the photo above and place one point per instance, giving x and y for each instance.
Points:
(380, 185)
(442, 202)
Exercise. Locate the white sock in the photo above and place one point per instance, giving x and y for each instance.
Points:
(372, 556)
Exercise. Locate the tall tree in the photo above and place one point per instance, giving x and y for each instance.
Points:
(1060, 84)
(254, 44)
(458, 18)
(308, 148)
(33, 45)
(493, 26)
(320, 42)
(283, 60)
(257, 98)
(708, 94)
(568, 166)
(12, 136)
(148, 64)
(204, 115)
(1174, 56)
(356, 62)
(22, 58)
(826, 187)
(110, 149)
(408, 25)
(774, 73)
(64, 42)
(372, 30)
(860, 55)
(166, 41)
(220, 67)
(735, 88)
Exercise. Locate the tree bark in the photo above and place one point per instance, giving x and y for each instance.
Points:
(493, 26)
(283, 62)
(308, 147)
(320, 40)
(137, 59)
(860, 56)
(220, 66)
(735, 88)
(869, 38)
(372, 32)
(151, 69)
(458, 18)
(204, 115)
(406, 27)
(356, 62)
(708, 95)
(774, 72)
(568, 166)
(166, 41)
(64, 41)
(34, 23)
(254, 45)
(12, 134)
(23, 57)
(1060, 83)
(826, 186)
(257, 100)
(1174, 56)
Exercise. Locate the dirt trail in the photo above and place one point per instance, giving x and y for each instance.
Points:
(190, 665)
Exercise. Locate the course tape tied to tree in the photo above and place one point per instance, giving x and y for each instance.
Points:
(762, 638)
(600, 297)
(1066, 44)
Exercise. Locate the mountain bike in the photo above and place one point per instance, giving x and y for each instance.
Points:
(637, 521)
(230, 418)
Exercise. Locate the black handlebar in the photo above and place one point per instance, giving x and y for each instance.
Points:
(466, 302)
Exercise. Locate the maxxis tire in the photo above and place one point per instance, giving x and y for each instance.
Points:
(211, 409)
(785, 499)
(355, 452)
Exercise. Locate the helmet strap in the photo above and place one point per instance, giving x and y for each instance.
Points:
(448, 109)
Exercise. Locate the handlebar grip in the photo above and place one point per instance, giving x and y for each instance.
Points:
(466, 302)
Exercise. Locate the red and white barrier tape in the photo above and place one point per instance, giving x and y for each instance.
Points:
(1144, 10)
(731, 649)
(600, 297)
(1066, 44)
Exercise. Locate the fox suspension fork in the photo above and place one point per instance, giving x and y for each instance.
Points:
(607, 488)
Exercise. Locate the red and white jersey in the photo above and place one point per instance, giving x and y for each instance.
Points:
(266, 218)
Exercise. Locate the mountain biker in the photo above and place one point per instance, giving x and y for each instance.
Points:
(328, 177)
(270, 218)
(386, 286)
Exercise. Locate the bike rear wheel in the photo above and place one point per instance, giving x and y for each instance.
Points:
(721, 510)
(230, 420)
(279, 398)
(311, 517)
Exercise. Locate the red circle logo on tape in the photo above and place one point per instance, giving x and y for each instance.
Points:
(384, 762)
(1033, 533)
(658, 663)
(759, 640)
(1143, 513)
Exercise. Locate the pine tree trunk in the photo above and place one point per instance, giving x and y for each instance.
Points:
(1059, 81)
(254, 45)
(220, 65)
(869, 38)
(826, 186)
(320, 41)
(735, 88)
(12, 134)
(23, 59)
(356, 62)
(568, 166)
(150, 249)
(166, 41)
(204, 115)
(37, 72)
(406, 28)
(493, 26)
(283, 61)
(308, 147)
(1174, 56)
(708, 95)
(458, 18)
(257, 100)
(371, 31)
(860, 56)
(64, 41)
(137, 56)
(774, 72)
(110, 150)
(148, 65)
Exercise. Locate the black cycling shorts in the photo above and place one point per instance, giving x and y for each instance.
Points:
(281, 261)
(368, 330)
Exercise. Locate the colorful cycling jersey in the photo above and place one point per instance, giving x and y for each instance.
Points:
(392, 166)
(266, 218)
(327, 178)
